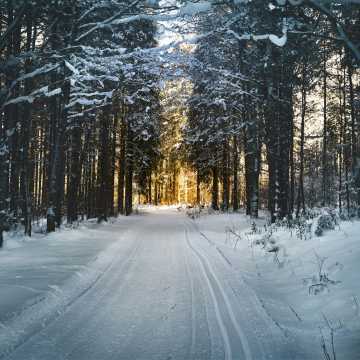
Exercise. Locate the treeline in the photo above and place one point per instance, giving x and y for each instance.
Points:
(276, 106)
(78, 109)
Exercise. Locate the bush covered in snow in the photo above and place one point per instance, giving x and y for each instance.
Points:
(326, 221)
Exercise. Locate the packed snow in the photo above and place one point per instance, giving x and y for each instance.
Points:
(307, 284)
(170, 284)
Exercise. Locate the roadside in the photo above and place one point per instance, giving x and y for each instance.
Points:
(309, 288)
(31, 268)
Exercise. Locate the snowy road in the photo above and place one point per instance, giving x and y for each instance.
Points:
(167, 293)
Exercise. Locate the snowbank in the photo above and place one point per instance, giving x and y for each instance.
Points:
(308, 285)
(41, 276)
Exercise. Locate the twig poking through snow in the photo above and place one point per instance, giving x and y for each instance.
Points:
(296, 314)
(357, 307)
(329, 354)
(237, 236)
(322, 280)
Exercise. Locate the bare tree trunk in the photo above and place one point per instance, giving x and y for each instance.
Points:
(156, 190)
(300, 196)
(129, 173)
(225, 177)
(347, 149)
(252, 169)
(75, 174)
(235, 191)
(215, 189)
(285, 139)
(198, 183)
(325, 174)
(355, 165)
(104, 189)
(25, 187)
(57, 167)
(114, 124)
(149, 187)
(121, 174)
(14, 119)
(292, 163)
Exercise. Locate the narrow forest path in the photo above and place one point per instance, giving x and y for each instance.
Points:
(167, 295)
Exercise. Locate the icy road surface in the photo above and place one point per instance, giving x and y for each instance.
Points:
(162, 292)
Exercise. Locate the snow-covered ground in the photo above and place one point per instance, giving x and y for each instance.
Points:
(159, 285)
(34, 271)
(299, 300)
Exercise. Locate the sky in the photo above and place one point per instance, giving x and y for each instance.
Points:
(169, 31)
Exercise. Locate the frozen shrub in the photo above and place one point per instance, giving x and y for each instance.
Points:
(348, 214)
(326, 221)
(303, 228)
(194, 212)
(313, 213)
(254, 228)
(321, 281)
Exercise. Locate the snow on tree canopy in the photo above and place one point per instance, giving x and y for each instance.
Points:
(192, 9)
(152, 3)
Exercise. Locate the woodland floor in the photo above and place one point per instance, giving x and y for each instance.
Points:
(159, 285)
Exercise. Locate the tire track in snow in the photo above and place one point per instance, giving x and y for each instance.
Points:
(263, 318)
(209, 273)
(193, 311)
(220, 320)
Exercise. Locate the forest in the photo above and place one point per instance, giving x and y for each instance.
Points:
(179, 179)
(258, 100)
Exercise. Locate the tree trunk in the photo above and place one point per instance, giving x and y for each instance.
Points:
(215, 189)
(14, 119)
(252, 168)
(292, 163)
(347, 149)
(104, 189)
(156, 190)
(235, 191)
(121, 173)
(198, 183)
(285, 140)
(225, 177)
(325, 182)
(25, 184)
(354, 138)
(113, 163)
(149, 187)
(129, 173)
(300, 196)
(57, 166)
(75, 174)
